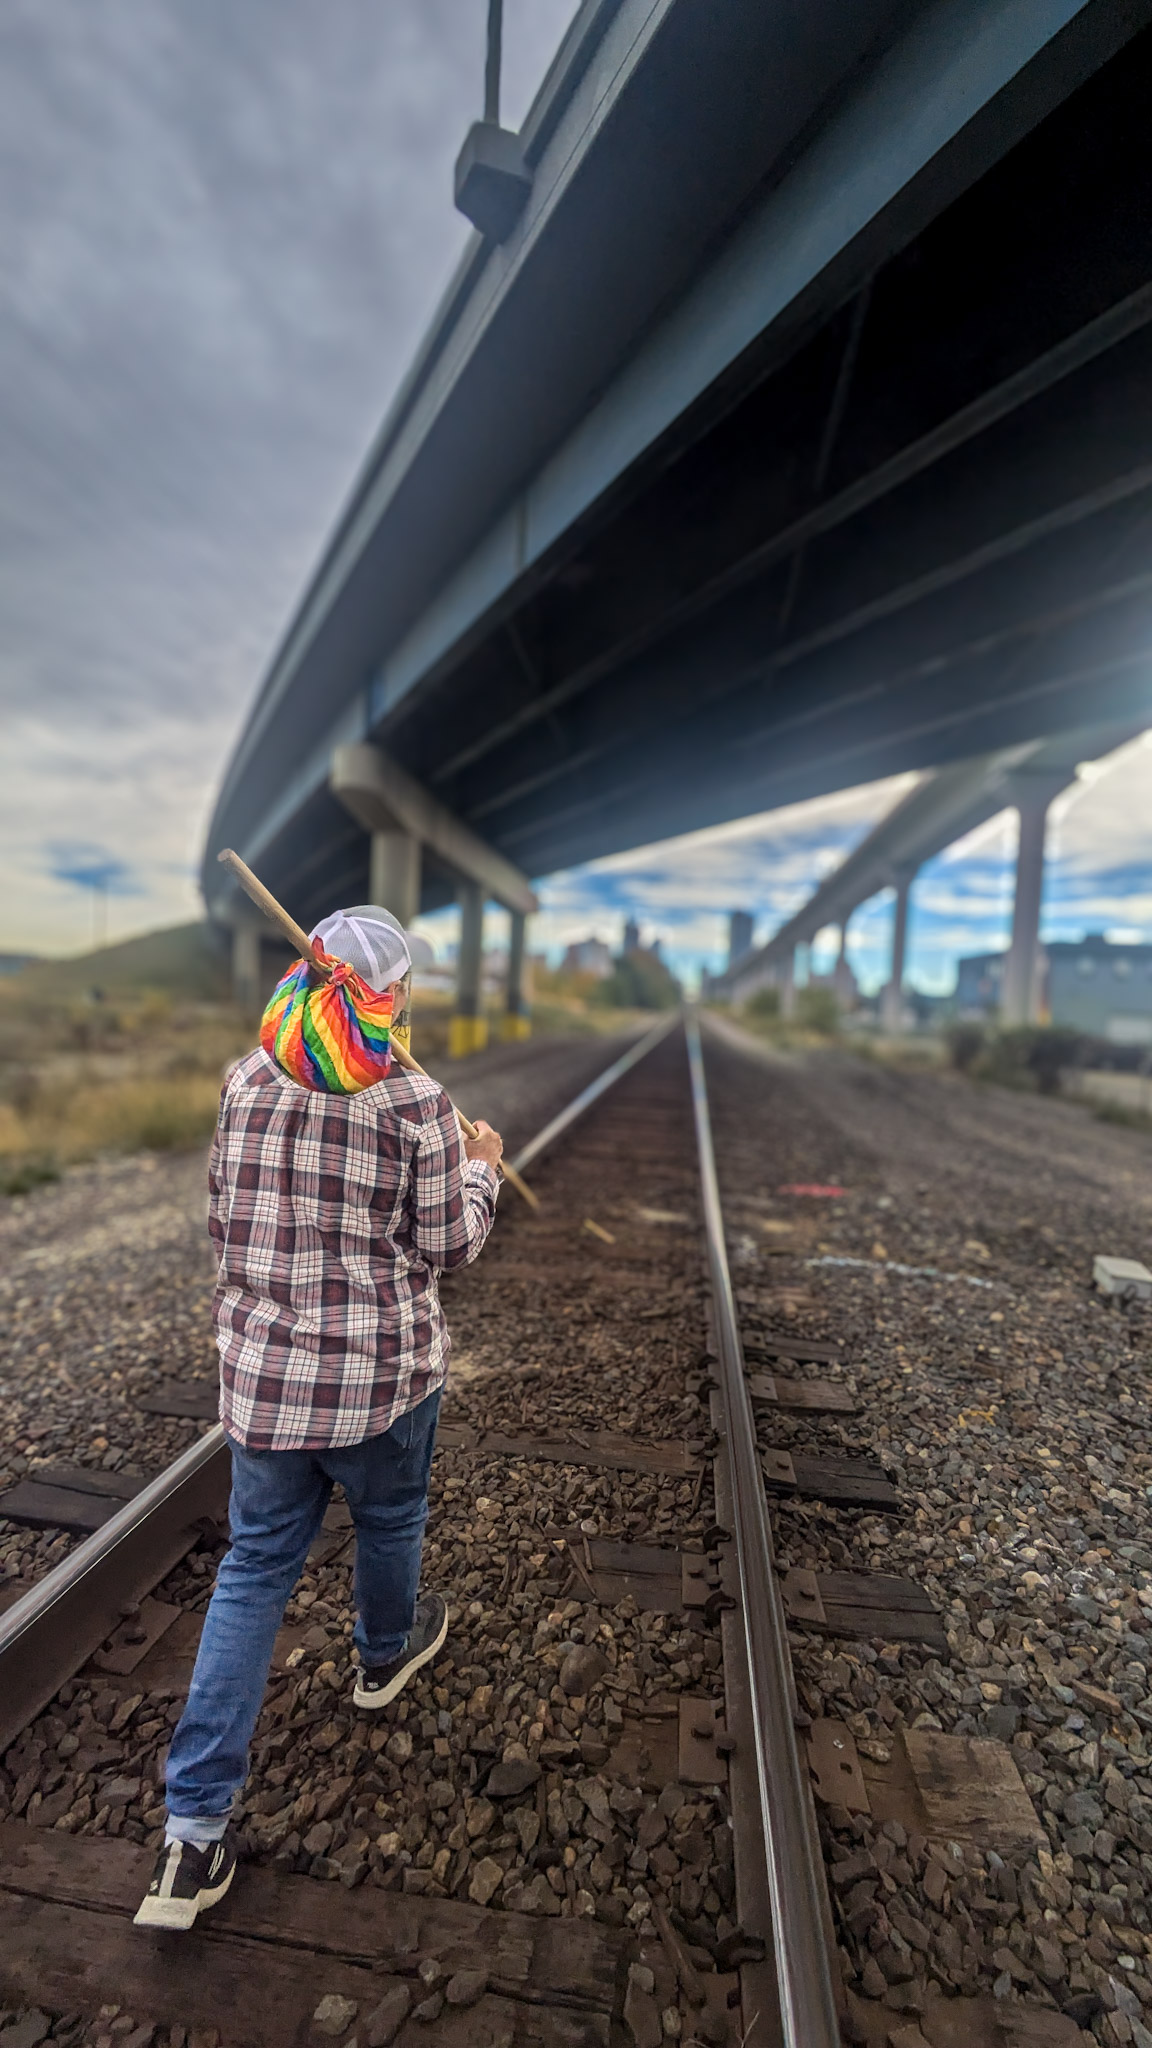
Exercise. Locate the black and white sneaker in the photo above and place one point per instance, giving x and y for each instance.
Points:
(186, 1880)
(381, 1683)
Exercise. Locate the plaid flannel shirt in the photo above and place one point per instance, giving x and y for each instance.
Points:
(332, 1215)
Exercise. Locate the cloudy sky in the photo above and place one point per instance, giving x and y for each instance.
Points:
(223, 226)
(222, 229)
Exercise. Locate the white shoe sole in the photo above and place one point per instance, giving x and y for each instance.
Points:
(181, 1913)
(381, 1696)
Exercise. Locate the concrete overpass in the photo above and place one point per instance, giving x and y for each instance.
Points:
(946, 804)
(797, 431)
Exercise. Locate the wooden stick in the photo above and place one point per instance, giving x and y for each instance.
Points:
(298, 937)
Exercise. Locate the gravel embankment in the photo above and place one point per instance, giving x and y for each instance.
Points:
(1014, 1416)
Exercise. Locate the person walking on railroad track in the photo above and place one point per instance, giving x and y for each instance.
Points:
(338, 1190)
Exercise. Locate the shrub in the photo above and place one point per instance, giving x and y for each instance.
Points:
(1122, 1113)
(965, 1044)
(19, 1177)
(639, 981)
(764, 1004)
(1033, 1056)
(818, 1010)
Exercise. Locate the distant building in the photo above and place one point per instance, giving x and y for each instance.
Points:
(1089, 984)
(1102, 988)
(588, 956)
(978, 982)
(740, 927)
(631, 937)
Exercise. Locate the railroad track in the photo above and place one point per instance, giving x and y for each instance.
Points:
(598, 1819)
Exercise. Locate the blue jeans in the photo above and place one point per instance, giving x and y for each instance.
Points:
(277, 1506)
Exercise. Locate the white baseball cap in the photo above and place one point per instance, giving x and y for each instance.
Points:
(373, 942)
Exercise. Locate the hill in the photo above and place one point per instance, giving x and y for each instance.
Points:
(183, 961)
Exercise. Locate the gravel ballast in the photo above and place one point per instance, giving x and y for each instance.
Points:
(1010, 1404)
(1006, 1400)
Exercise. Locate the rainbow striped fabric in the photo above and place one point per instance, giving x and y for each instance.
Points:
(334, 1036)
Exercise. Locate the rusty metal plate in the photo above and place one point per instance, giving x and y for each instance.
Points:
(802, 1599)
(698, 1578)
(701, 1727)
(762, 1386)
(837, 1779)
(778, 1468)
(128, 1645)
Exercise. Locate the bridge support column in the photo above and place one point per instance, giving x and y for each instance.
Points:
(1020, 994)
(469, 1028)
(842, 980)
(516, 1022)
(394, 874)
(246, 966)
(892, 999)
(788, 986)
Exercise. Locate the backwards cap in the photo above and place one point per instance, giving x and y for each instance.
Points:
(373, 942)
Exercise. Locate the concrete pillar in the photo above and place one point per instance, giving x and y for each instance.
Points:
(516, 1021)
(788, 987)
(892, 1000)
(469, 1028)
(246, 966)
(843, 981)
(394, 874)
(1019, 995)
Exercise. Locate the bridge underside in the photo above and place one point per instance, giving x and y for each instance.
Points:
(781, 611)
(916, 532)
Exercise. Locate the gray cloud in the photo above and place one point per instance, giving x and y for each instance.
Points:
(222, 229)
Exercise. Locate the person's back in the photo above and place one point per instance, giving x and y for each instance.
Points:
(339, 1188)
(331, 1215)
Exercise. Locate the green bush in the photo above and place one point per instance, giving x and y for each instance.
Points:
(1032, 1056)
(1122, 1113)
(965, 1044)
(818, 1010)
(764, 1004)
(639, 981)
(19, 1177)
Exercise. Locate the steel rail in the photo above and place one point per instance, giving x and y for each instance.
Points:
(594, 1090)
(795, 1868)
(59, 1623)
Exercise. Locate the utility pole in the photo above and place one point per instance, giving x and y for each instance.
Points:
(492, 62)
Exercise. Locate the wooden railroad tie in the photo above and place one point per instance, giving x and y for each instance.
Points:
(267, 1950)
(846, 1482)
(789, 1344)
(863, 1604)
(818, 1397)
(71, 1497)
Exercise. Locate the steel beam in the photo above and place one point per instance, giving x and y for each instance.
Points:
(386, 799)
(1053, 367)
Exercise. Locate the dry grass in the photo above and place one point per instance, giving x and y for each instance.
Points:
(115, 1067)
(80, 1078)
(70, 1123)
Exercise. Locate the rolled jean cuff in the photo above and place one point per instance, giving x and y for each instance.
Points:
(197, 1828)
